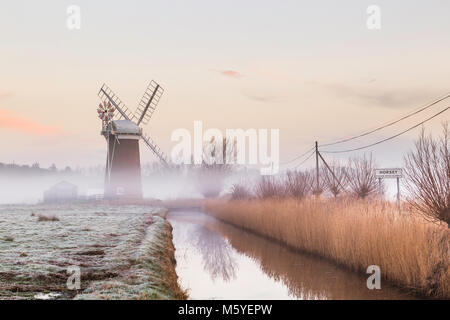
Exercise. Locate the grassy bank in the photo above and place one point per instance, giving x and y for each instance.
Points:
(410, 252)
(123, 252)
(151, 274)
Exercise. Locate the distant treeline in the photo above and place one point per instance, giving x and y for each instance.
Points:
(148, 169)
(35, 169)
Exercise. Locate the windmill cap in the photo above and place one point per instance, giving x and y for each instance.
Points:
(124, 127)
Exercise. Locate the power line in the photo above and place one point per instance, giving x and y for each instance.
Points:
(390, 138)
(298, 157)
(309, 157)
(390, 123)
(385, 125)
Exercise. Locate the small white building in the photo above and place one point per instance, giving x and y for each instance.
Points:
(61, 192)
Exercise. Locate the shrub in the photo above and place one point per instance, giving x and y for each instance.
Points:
(427, 169)
(298, 184)
(240, 191)
(361, 176)
(42, 217)
(269, 187)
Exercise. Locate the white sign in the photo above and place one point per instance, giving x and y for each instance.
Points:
(389, 173)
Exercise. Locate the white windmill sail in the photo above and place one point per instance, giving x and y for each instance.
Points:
(148, 103)
(156, 150)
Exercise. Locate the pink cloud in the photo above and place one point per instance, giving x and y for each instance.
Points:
(231, 73)
(9, 120)
(5, 95)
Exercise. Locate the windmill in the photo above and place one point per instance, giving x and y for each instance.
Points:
(122, 131)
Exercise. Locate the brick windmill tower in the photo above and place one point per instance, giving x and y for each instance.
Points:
(122, 131)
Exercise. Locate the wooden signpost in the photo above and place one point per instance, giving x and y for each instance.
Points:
(390, 173)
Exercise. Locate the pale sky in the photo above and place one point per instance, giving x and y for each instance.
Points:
(309, 68)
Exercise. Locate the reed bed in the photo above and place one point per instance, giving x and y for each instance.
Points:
(411, 252)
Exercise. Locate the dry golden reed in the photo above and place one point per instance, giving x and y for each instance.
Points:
(411, 252)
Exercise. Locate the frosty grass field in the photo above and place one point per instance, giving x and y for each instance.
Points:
(119, 249)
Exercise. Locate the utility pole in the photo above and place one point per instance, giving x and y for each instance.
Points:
(317, 167)
(380, 190)
(332, 172)
(398, 194)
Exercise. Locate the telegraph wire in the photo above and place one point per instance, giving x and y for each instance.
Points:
(390, 123)
(390, 138)
(309, 157)
(298, 157)
(383, 126)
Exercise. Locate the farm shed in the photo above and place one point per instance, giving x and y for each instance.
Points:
(61, 192)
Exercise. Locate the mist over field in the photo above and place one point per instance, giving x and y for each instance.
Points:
(29, 188)
(21, 185)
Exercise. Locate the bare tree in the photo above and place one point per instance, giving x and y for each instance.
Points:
(427, 170)
(216, 166)
(269, 187)
(298, 184)
(361, 176)
(339, 182)
(240, 191)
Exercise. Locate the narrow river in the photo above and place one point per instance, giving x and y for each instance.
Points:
(218, 261)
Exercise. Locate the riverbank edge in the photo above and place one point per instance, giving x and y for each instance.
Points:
(416, 292)
(157, 262)
(163, 258)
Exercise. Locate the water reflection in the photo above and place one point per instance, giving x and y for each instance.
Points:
(217, 260)
(216, 253)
